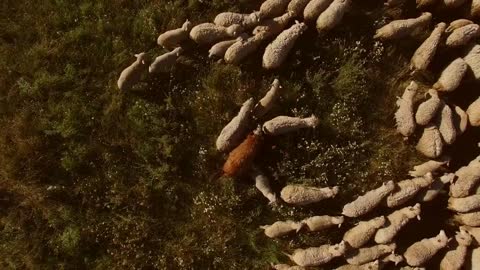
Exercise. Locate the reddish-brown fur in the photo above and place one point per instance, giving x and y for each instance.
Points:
(242, 156)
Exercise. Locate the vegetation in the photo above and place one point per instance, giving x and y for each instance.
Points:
(95, 178)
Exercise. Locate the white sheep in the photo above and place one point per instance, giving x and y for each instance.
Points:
(412, 268)
(173, 38)
(430, 166)
(453, 3)
(473, 231)
(233, 133)
(360, 234)
(430, 143)
(475, 8)
(469, 219)
(423, 56)
(395, 222)
(287, 267)
(463, 35)
(401, 28)
(446, 125)
(407, 189)
(273, 8)
(468, 178)
(455, 259)
(457, 24)
(132, 74)
(277, 51)
(333, 15)
(236, 53)
(209, 33)
(474, 262)
(367, 202)
(266, 103)
(395, 258)
(451, 76)
(429, 108)
(281, 228)
(165, 62)
(316, 256)
(368, 254)
(263, 185)
(219, 49)
(436, 188)
(405, 115)
(319, 223)
(314, 8)
(303, 195)
(285, 124)
(422, 251)
(297, 6)
(227, 19)
(424, 3)
(375, 265)
(461, 120)
(272, 27)
(473, 112)
(465, 204)
(473, 60)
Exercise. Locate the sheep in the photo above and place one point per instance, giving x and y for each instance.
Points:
(423, 56)
(401, 28)
(277, 51)
(232, 134)
(287, 267)
(473, 60)
(469, 219)
(475, 8)
(453, 3)
(272, 27)
(375, 265)
(297, 6)
(219, 49)
(436, 188)
(463, 35)
(425, 3)
(316, 256)
(333, 15)
(227, 19)
(428, 109)
(173, 38)
(359, 235)
(466, 204)
(430, 166)
(473, 112)
(455, 259)
(209, 33)
(451, 76)
(263, 185)
(407, 189)
(468, 178)
(422, 251)
(241, 158)
(236, 53)
(412, 268)
(396, 221)
(273, 8)
(303, 195)
(405, 115)
(457, 24)
(314, 8)
(368, 254)
(165, 62)
(285, 124)
(446, 125)
(367, 202)
(473, 231)
(319, 223)
(430, 143)
(395, 258)
(131, 75)
(461, 120)
(281, 228)
(474, 262)
(266, 103)
(394, 3)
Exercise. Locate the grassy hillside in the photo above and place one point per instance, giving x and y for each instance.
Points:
(95, 178)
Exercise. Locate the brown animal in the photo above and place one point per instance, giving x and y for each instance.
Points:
(242, 156)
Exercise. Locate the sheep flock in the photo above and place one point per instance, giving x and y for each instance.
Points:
(425, 113)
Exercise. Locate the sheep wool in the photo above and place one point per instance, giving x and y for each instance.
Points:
(446, 125)
(173, 38)
(165, 62)
(405, 115)
(319, 223)
(394, 3)
(368, 254)
(402, 28)
(412, 268)
(236, 53)
(209, 33)
(227, 19)
(266, 103)
(375, 265)
(232, 134)
(461, 120)
(219, 49)
(297, 6)
(359, 235)
(425, 3)
(396, 221)
(241, 158)
(473, 60)
(468, 178)
(333, 15)
(457, 24)
(316, 256)
(469, 219)
(435, 188)
(430, 143)
(423, 56)
(451, 76)
(463, 35)
(395, 258)
(314, 8)
(428, 109)
(475, 8)
(273, 8)
(407, 189)
(455, 259)
(281, 228)
(287, 267)
(430, 166)
(367, 202)
(453, 3)
(473, 112)
(277, 51)
(273, 27)
(464, 205)
(303, 195)
(474, 262)
(474, 232)
(263, 185)
(285, 124)
(421, 252)
(131, 75)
